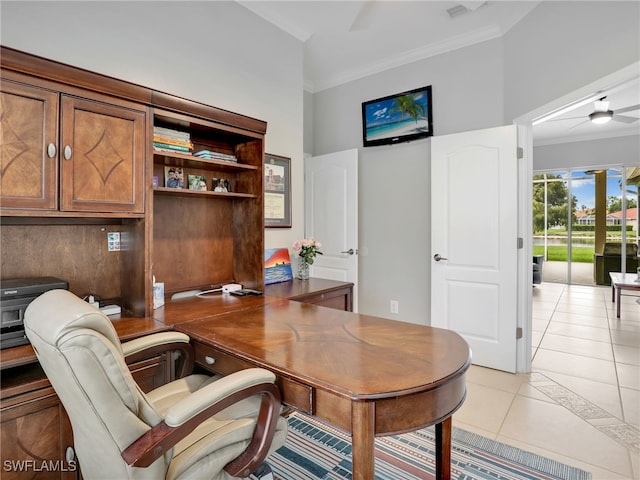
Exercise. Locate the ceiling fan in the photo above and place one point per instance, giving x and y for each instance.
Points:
(601, 114)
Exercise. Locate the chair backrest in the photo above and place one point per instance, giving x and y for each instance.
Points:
(615, 248)
(81, 354)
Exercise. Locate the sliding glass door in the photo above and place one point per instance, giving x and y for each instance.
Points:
(578, 215)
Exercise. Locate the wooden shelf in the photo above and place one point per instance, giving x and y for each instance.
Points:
(202, 193)
(189, 161)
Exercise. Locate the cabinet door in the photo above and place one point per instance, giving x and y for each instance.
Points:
(34, 436)
(28, 156)
(102, 157)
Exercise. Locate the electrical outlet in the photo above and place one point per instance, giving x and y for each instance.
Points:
(113, 241)
(393, 305)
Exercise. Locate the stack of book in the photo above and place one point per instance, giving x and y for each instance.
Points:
(169, 140)
(209, 155)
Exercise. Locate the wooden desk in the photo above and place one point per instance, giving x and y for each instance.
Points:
(367, 376)
(619, 282)
(319, 291)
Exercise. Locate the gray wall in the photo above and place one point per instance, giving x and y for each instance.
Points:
(212, 52)
(555, 50)
(394, 192)
(548, 54)
(617, 151)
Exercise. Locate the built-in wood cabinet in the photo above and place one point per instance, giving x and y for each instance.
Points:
(204, 239)
(61, 152)
(29, 122)
(102, 151)
(78, 166)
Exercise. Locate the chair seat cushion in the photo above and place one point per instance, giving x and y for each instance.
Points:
(227, 433)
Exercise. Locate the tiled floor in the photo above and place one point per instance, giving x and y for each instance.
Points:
(581, 403)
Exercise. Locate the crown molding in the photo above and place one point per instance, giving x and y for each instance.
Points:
(409, 56)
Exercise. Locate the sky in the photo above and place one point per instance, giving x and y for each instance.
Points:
(584, 189)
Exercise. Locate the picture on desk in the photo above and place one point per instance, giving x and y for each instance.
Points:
(173, 177)
(221, 185)
(277, 266)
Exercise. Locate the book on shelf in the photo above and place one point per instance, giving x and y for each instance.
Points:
(173, 177)
(171, 141)
(209, 155)
(197, 182)
(169, 147)
(171, 133)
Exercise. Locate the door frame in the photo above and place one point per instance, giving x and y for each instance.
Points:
(525, 198)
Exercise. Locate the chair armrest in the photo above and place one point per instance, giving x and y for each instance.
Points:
(222, 388)
(150, 345)
(191, 413)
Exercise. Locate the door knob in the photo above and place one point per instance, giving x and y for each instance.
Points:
(351, 251)
(437, 257)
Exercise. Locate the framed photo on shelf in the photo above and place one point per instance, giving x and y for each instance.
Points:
(173, 177)
(277, 191)
(197, 182)
(220, 185)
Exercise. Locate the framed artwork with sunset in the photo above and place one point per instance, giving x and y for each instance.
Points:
(277, 266)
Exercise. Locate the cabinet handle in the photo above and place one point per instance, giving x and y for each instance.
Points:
(51, 150)
(67, 152)
(70, 454)
(209, 360)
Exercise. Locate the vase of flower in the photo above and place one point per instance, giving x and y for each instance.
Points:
(307, 249)
(303, 270)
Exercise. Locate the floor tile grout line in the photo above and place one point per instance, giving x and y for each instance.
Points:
(620, 422)
(615, 364)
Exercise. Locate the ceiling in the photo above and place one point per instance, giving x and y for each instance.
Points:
(350, 39)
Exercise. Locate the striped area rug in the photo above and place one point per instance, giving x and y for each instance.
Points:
(315, 451)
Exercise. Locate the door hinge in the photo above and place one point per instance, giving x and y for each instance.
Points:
(520, 243)
(519, 153)
(518, 333)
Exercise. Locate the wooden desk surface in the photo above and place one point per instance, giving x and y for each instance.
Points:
(365, 375)
(355, 355)
(126, 327)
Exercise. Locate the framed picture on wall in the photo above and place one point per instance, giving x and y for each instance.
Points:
(277, 191)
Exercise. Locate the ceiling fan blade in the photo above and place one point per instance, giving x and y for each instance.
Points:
(566, 118)
(627, 109)
(578, 124)
(364, 17)
(625, 119)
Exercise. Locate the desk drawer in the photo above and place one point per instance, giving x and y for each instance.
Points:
(294, 393)
(339, 299)
(215, 361)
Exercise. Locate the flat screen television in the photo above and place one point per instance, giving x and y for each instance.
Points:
(398, 118)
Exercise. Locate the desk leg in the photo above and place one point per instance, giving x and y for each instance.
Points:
(618, 292)
(613, 292)
(363, 439)
(443, 449)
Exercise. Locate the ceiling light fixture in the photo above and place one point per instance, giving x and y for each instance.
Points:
(601, 117)
(566, 109)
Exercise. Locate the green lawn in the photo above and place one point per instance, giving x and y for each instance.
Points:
(558, 253)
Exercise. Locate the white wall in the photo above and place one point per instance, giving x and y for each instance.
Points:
(217, 53)
(547, 55)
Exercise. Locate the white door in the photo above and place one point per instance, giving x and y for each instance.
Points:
(474, 205)
(331, 215)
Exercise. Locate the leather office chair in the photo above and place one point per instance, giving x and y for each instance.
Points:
(196, 427)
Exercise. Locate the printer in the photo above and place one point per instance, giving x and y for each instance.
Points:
(15, 296)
